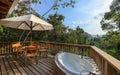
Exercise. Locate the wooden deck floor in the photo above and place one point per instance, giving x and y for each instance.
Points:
(11, 66)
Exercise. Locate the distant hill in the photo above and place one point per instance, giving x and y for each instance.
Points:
(96, 36)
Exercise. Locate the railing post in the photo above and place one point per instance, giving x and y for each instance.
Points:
(82, 53)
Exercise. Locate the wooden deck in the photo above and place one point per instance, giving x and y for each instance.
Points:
(11, 66)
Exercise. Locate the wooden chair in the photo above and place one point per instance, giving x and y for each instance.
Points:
(44, 50)
(41, 50)
(17, 49)
(35, 44)
(31, 53)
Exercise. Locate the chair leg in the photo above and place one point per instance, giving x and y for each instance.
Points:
(14, 55)
(36, 59)
(46, 54)
(25, 59)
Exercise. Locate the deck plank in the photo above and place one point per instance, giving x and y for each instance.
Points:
(41, 72)
(15, 70)
(8, 67)
(31, 69)
(49, 65)
(29, 72)
(21, 70)
(48, 69)
(45, 70)
(3, 68)
(0, 70)
(12, 66)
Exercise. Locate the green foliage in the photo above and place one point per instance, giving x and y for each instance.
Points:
(1, 28)
(96, 41)
(111, 40)
(111, 23)
(64, 4)
(59, 29)
(26, 6)
(60, 33)
(109, 43)
(111, 20)
(64, 34)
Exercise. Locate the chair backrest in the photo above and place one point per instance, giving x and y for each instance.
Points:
(16, 44)
(31, 51)
(47, 44)
(31, 48)
(35, 44)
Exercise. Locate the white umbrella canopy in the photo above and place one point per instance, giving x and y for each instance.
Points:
(27, 22)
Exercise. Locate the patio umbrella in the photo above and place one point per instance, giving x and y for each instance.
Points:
(27, 22)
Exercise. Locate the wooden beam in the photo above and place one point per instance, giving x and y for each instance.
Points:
(2, 16)
(6, 2)
(3, 4)
(4, 8)
(3, 13)
(7, 6)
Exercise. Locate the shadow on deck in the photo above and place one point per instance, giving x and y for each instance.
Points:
(11, 66)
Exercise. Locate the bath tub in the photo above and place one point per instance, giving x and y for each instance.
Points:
(72, 64)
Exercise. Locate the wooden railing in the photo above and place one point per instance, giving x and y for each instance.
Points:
(5, 48)
(54, 48)
(106, 63)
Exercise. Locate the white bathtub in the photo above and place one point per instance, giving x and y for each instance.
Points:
(72, 64)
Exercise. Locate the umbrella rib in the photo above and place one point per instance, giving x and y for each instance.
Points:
(42, 27)
(37, 25)
(19, 24)
(31, 25)
(27, 24)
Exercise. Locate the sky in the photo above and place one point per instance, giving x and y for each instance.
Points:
(86, 14)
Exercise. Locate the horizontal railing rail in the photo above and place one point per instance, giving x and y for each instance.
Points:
(106, 63)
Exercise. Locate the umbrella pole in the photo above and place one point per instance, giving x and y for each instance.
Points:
(31, 37)
(31, 33)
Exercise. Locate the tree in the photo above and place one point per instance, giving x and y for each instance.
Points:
(78, 36)
(64, 34)
(26, 6)
(59, 31)
(111, 23)
(111, 43)
(111, 20)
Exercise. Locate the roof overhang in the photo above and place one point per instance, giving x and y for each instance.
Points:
(6, 7)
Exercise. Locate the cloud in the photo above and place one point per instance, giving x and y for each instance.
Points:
(94, 27)
(99, 6)
(91, 26)
(93, 13)
(76, 23)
